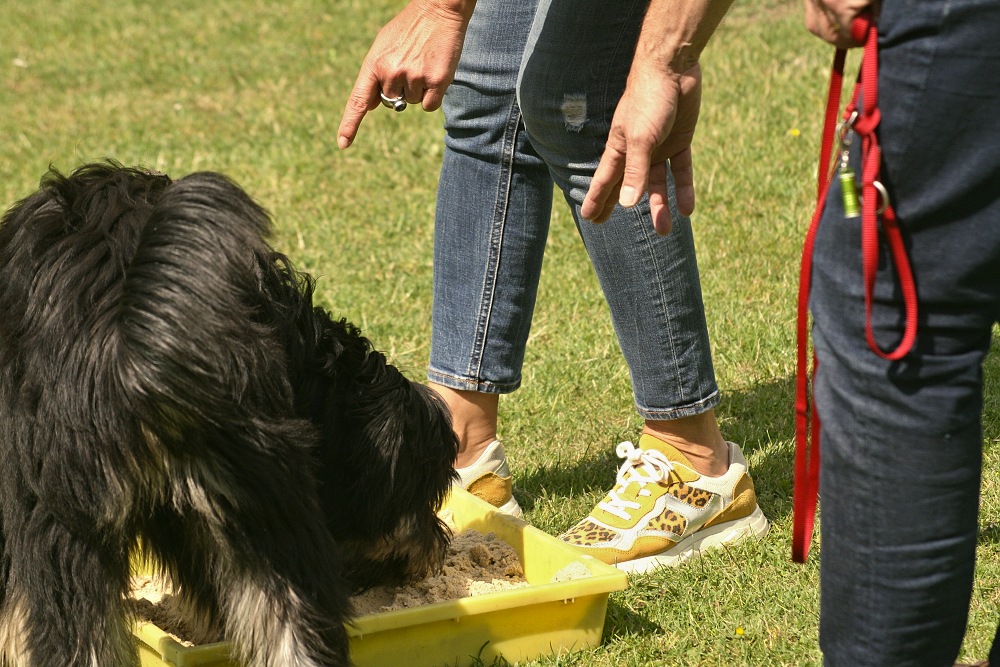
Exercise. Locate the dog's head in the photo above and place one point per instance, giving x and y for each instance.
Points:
(386, 461)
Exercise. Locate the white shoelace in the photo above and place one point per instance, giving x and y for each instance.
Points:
(642, 467)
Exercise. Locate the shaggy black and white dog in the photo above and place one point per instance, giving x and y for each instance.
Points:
(167, 389)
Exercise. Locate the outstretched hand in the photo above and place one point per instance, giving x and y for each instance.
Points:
(414, 57)
(651, 131)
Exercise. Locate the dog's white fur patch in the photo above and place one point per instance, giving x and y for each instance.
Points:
(261, 629)
(13, 645)
(13, 651)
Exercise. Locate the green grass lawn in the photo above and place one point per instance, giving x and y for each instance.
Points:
(255, 89)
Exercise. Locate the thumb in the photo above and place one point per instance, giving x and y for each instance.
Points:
(635, 176)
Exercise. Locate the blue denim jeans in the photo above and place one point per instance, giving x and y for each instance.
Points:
(530, 106)
(902, 441)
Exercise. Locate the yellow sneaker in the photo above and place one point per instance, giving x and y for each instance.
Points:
(490, 479)
(662, 512)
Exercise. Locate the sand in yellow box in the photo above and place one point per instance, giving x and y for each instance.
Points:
(553, 614)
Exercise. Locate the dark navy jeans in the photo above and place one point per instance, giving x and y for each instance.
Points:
(902, 441)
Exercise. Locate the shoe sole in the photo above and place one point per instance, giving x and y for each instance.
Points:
(754, 525)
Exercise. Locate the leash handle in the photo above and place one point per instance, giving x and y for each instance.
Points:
(875, 205)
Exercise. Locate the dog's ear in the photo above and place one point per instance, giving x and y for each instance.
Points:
(392, 482)
(409, 433)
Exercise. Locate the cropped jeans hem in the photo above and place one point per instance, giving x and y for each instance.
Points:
(691, 410)
(468, 384)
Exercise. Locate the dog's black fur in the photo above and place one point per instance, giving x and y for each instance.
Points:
(167, 389)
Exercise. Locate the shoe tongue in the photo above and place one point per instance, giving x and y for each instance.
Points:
(685, 471)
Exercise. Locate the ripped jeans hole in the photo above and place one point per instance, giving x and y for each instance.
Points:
(574, 110)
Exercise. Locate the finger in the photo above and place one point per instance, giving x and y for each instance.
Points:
(429, 98)
(683, 173)
(363, 98)
(609, 207)
(412, 92)
(604, 185)
(433, 98)
(659, 201)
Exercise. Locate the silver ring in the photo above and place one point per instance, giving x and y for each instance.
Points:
(394, 103)
(885, 197)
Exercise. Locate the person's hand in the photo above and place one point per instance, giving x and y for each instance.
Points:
(831, 20)
(414, 57)
(651, 131)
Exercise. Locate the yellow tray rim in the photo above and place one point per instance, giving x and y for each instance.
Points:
(604, 579)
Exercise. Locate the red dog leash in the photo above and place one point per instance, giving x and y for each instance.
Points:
(874, 205)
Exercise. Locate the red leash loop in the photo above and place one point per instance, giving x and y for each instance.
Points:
(875, 205)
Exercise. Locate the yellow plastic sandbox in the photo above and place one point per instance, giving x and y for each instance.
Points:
(545, 618)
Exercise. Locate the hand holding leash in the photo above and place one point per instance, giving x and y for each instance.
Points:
(833, 20)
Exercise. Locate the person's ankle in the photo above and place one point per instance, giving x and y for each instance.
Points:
(472, 452)
(474, 420)
(698, 438)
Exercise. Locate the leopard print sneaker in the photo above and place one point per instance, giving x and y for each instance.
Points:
(662, 512)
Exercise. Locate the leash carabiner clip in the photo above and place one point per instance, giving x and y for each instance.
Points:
(843, 131)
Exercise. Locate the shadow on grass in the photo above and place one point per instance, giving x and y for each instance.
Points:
(989, 534)
(760, 418)
(589, 474)
(622, 622)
